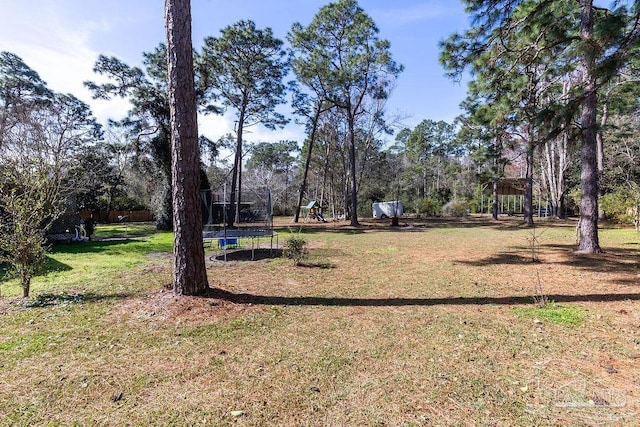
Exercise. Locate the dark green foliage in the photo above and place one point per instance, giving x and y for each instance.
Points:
(89, 227)
(147, 123)
(276, 156)
(428, 206)
(21, 90)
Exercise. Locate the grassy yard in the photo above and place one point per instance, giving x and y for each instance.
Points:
(430, 323)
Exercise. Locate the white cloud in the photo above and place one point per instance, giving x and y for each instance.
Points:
(52, 46)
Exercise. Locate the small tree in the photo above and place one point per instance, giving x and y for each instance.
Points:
(27, 208)
(296, 250)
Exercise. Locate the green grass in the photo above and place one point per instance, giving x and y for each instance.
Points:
(125, 230)
(89, 266)
(562, 314)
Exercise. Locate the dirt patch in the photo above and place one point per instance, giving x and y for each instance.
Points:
(164, 306)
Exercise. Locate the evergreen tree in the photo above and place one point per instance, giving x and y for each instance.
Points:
(245, 68)
(599, 41)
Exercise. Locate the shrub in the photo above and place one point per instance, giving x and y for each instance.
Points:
(28, 206)
(24, 252)
(295, 249)
(428, 206)
(456, 208)
(620, 207)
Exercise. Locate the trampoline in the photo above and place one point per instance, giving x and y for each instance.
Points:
(253, 220)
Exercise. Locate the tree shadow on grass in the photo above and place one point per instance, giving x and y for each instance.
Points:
(63, 299)
(261, 254)
(504, 258)
(323, 265)
(94, 246)
(258, 254)
(52, 265)
(614, 260)
(244, 298)
(114, 247)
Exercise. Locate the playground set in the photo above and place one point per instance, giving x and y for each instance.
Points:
(314, 212)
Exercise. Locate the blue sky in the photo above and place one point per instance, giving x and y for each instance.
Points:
(61, 40)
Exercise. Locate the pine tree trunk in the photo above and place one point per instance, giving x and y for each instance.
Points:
(588, 226)
(600, 154)
(189, 273)
(352, 163)
(494, 209)
(234, 203)
(307, 163)
(528, 192)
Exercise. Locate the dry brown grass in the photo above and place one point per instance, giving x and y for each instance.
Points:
(429, 324)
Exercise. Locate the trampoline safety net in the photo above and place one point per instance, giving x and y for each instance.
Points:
(251, 217)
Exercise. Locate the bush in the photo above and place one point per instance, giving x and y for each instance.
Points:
(24, 252)
(619, 207)
(28, 206)
(456, 208)
(428, 206)
(476, 204)
(295, 249)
